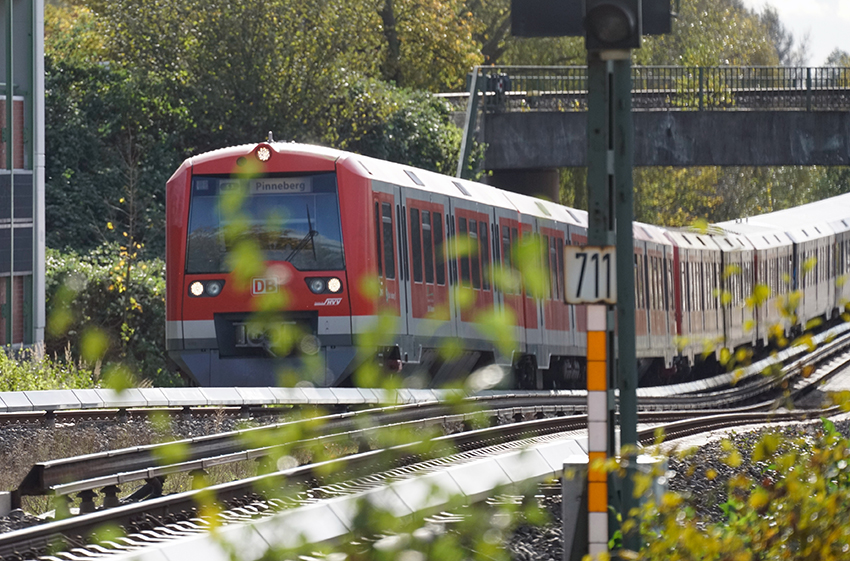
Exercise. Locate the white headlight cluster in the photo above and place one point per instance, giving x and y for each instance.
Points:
(211, 288)
(319, 285)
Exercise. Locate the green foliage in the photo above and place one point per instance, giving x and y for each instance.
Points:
(111, 152)
(32, 369)
(413, 128)
(790, 505)
(99, 313)
(428, 44)
(712, 33)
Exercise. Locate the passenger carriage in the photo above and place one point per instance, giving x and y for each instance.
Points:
(349, 240)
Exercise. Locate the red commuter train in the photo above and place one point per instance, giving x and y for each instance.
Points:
(332, 223)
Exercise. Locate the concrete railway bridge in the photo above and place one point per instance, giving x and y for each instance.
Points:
(533, 119)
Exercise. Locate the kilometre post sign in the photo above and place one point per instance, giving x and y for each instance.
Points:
(591, 274)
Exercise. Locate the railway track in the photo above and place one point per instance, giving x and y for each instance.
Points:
(160, 520)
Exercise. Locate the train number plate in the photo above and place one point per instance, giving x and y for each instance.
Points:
(591, 274)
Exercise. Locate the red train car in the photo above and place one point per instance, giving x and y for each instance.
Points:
(349, 240)
(345, 222)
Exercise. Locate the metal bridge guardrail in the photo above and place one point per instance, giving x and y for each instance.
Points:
(717, 88)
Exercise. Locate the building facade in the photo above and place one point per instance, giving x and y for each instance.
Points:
(22, 273)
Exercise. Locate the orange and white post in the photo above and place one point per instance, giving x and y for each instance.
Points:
(598, 431)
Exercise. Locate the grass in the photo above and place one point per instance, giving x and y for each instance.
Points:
(31, 369)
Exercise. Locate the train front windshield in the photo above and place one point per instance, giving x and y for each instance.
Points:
(293, 219)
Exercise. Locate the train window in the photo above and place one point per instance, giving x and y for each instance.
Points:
(389, 254)
(506, 246)
(651, 285)
(559, 254)
(474, 258)
(464, 260)
(657, 281)
(401, 227)
(293, 219)
(547, 266)
(695, 296)
(484, 237)
(378, 237)
(427, 247)
(638, 283)
(440, 256)
(416, 244)
(555, 276)
(506, 254)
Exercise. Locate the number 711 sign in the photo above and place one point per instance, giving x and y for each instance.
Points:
(591, 274)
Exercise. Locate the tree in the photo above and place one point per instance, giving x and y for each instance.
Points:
(429, 44)
(838, 58)
(108, 135)
(416, 130)
(712, 33)
(783, 40)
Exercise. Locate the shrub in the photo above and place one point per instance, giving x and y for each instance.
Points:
(106, 306)
(31, 369)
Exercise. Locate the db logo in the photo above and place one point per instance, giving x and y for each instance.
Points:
(265, 286)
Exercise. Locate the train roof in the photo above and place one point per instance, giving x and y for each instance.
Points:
(418, 178)
(768, 239)
(794, 219)
(731, 242)
(651, 233)
(690, 240)
(839, 226)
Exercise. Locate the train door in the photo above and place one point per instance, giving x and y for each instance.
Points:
(428, 287)
(506, 228)
(578, 236)
(641, 295)
(474, 280)
(670, 294)
(393, 265)
(556, 333)
(533, 320)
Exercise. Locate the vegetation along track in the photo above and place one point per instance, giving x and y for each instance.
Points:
(177, 515)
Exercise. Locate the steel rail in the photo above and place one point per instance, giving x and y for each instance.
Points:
(76, 532)
(136, 516)
(95, 471)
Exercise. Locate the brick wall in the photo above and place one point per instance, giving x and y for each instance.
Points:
(18, 113)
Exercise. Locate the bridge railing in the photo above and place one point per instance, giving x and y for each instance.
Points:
(549, 88)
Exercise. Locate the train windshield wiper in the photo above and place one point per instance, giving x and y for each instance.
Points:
(308, 237)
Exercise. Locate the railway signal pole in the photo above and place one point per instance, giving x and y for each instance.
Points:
(612, 28)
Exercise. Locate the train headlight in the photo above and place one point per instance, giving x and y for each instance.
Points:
(210, 288)
(317, 286)
(263, 153)
(213, 288)
(334, 285)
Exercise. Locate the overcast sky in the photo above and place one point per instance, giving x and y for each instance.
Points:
(826, 21)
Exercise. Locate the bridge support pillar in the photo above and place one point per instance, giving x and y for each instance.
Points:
(543, 183)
